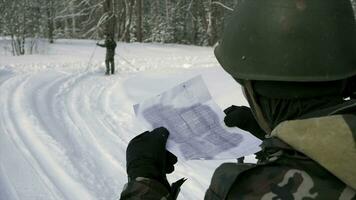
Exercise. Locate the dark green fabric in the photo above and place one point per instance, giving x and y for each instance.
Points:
(279, 110)
(298, 90)
(149, 189)
(223, 178)
(280, 101)
(344, 108)
(110, 66)
(145, 189)
(110, 49)
(351, 87)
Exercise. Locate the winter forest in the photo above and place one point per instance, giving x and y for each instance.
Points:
(197, 22)
(65, 123)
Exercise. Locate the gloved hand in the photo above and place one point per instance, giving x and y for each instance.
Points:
(146, 156)
(242, 117)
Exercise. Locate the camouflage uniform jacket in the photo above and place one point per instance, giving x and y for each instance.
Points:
(285, 173)
(281, 173)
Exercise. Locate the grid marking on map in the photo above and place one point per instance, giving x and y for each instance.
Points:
(195, 129)
(195, 123)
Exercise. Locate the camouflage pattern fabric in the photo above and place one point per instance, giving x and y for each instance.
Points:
(275, 181)
(328, 140)
(145, 189)
(223, 178)
(285, 175)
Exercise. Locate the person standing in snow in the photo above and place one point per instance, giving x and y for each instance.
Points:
(110, 46)
(296, 63)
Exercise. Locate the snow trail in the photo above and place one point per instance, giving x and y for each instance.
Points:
(64, 127)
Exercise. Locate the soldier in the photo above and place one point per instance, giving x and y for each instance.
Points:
(296, 63)
(110, 46)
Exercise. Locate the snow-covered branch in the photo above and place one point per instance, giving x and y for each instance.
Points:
(222, 5)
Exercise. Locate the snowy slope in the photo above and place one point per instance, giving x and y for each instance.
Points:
(64, 126)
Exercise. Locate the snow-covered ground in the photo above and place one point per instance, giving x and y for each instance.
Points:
(64, 126)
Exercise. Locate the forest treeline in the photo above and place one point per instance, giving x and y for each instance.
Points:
(198, 22)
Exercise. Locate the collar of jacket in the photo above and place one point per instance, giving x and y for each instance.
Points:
(328, 140)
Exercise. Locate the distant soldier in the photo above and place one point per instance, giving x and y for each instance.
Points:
(110, 46)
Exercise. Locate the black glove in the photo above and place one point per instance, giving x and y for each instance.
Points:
(146, 156)
(242, 117)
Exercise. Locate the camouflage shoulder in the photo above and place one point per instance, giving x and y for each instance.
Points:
(144, 188)
(334, 151)
(223, 179)
(289, 178)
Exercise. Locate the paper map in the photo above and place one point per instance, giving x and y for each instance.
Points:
(195, 123)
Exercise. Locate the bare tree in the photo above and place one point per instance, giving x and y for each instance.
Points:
(50, 20)
(120, 10)
(110, 18)
(139, 5)
(129, 12)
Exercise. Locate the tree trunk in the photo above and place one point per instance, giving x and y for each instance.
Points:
(22, 41)
(111, 21)
(139, 20)
(74, 27)
(13, 45)
(167, 11)
(130, 6)
(212, 28)
(50, 21)
(122, 19)
(202, 14)
(22, 37)
(66, 28)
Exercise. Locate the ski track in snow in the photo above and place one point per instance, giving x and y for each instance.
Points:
(64, 127)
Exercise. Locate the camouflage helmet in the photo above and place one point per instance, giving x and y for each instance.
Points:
(290, 40)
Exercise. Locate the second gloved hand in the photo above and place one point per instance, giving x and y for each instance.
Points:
(242, 117)
(146, 156)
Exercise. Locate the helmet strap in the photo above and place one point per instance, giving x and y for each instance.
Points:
(257, 112)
